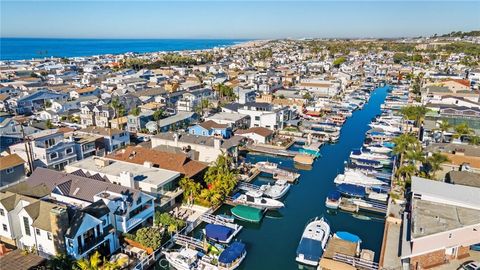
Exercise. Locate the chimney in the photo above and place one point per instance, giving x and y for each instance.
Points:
(175, 139)
(126, 179)
(59, 224)
(217, 143)
(147, 164)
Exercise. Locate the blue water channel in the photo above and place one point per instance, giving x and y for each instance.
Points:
(272, 243)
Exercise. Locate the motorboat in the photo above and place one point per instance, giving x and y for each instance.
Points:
(225, 218)
(247, 213)
(366, 155)
(232, 256)
(352, 190)
(367, 163)
(256, 199)
(380, 149)
(276, 191)
(385, 126)
(313, 242)
(333, 199)
(188, 259)
(222, 233)
(358, 178)
(267, 165)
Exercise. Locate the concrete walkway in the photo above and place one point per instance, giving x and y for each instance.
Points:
(391, 247)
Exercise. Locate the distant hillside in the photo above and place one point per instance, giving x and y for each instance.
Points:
(474, 33)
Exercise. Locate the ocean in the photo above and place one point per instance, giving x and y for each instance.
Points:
(28, 48)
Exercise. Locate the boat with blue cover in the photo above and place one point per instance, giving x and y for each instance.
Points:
(232, 256)
(333, 199)
(313, 242)
(352, 190)
(221, 233)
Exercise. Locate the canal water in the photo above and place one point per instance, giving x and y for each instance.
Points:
(272, 243)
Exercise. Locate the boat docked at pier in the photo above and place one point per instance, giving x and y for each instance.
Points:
(276, 191)
(333, 199)
(364, 154)
(220, 230)
(313, 242)
(247, 213)
(358, 178)
(256, 199)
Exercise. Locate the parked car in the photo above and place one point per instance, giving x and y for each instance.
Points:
(470, 265)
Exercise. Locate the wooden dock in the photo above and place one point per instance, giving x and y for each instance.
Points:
(279, 174)
(271, 151)
(376, 207)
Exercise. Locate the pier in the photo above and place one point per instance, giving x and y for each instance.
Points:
(277, 173)
(271, 151)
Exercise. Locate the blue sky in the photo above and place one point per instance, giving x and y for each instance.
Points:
(235, 19)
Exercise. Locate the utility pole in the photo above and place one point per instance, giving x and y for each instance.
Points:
(27, 149)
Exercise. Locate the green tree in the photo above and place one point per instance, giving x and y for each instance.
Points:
(135, 111)
(149, 237)
(406, 172)
(61, 261)
(307, 96)
(444, 126)
(435, 161)
(158, 114)
(475, 140)
(337, 62)
(48, 104)
(416, 113)
(462, 130)
(92, 263)
(404, 143)
(191, 189)
(118, 108)
(49, 124)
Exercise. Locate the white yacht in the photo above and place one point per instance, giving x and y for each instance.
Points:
(356, 177)
(313, 242)
(186, 259)
(388, 127)
(365, 155)
(380, 149)
(276, 191)
(255, 199)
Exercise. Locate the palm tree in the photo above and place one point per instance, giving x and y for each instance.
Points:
(61, 262)
(444, 126)
(404, 143)
(191, 189)
(416, 113)
(406, 172)
(119, 110)
(462, 129)
(203, 106)
(475, 140)
(435, 161)
(92, 263)
(135, 111)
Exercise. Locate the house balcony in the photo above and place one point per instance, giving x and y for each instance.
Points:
(91, 244)
(127, 224)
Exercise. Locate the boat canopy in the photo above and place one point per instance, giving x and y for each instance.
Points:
(218, 232)
(232, 253)
(348, 237)
(247, 213)
(310, 248)
(334, 195)
(352, 190)
(368, 161)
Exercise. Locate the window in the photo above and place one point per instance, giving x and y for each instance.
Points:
(2, 212)
(53, 155)
(49, 142)
(49, 236)
(26, 225)
(9, 170)
(5, 227)
(257, 118)
(68, 151)
(37, 231)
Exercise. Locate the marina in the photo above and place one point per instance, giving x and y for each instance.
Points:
(271, 232)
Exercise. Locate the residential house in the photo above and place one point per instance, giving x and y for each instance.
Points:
(444, 220)
(191, 99)
(159, 183)
(262, 114)
(177, 121)
(256, 134)
(12, 169)
(31, 223)
(233, 120)
(136, 123)
(211, 128)
(37, 100)
(113, 139)
(48, 149)
(201, 148)
(84, 92)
